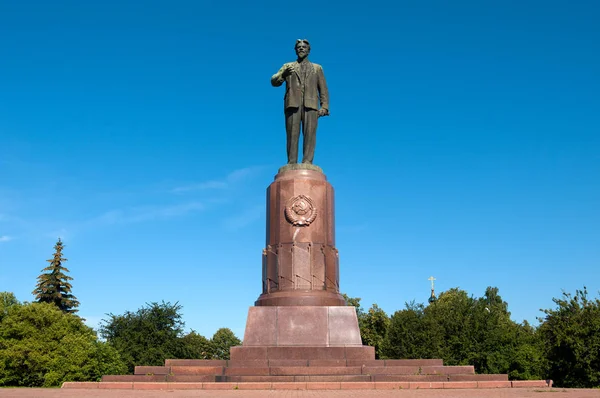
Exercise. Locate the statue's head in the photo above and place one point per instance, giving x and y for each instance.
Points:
(302, 48)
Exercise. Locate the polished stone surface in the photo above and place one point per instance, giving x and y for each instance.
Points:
(302, 353)
(300, 261)
(309, 326)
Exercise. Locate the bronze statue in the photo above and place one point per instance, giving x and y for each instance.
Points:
(305, 89)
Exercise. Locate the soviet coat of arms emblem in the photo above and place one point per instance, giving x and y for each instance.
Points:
(300, 211)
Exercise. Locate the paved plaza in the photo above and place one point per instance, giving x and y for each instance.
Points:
(479, 393)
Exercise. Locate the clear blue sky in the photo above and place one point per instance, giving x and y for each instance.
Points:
(463, 143)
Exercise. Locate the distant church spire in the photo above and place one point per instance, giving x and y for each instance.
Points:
(432, 298)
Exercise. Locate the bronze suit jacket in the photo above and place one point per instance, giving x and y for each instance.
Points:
(315, 87)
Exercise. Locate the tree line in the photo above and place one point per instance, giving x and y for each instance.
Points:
(478, 331)
(45, 342)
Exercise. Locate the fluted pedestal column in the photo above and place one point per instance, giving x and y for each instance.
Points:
(301, 306)
(300, 261)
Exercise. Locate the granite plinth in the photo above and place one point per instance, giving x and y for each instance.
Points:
(294, 326)
(300, 261)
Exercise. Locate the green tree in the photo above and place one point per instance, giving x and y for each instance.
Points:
(373, 329)
(373, 324)
(43, 346)
(148, 336)
(196, 346)
(7, 300)
(571, 335)
(528, 361)
(222, 341)
(463, 330)
(451, 317)
(354, 302)
(493, 334)
(500, 345)
(411, 335)
(53, 284)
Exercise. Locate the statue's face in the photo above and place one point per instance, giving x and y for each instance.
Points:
(302, 50)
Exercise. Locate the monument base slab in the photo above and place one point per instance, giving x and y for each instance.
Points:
(302, 326)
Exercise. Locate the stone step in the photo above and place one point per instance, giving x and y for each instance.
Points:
(192, 378)
(195, 362)
(301, 368)
(311, 385)
(258, 379)
(300, 374)
(327, 368)
(289, 379)
(197, 370)
(265, 363)
(314, 370)
(131, 378)
(417, 370)
(395, 362)
(478, 377)
(256, 363)
(287, 362)
(294, 371)
(440, 377)
(256, 371)
(326, 362)
(273, 352)
(407, 378)
(323, 378)
(152, 370)
(413, 362)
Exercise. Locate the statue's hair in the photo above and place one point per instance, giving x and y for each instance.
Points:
(302, 41)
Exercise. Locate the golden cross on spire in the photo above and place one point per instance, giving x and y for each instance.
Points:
(431, 278)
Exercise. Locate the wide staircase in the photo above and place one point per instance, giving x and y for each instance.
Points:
(299, 370)
(281, 368)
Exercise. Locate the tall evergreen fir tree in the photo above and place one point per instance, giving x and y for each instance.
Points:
(53, 284)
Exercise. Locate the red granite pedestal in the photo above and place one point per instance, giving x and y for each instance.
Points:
(302, 326)
(300, 306)
(300, 334)
(300, 264)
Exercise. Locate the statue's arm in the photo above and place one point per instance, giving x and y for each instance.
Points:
(323, 91)
(277, 79)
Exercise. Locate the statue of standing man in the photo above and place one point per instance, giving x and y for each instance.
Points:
(306, 89)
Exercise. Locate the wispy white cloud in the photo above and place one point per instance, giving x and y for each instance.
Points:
(29, 225)
(225, 183)
(246, 217)
(201, 186)
(145, 213)
(240, 174)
